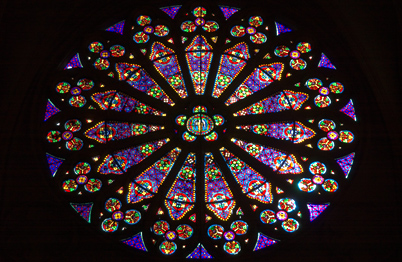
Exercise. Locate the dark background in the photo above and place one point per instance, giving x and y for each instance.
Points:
(37, 225)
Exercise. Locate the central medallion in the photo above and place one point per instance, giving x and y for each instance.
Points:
(200, 124)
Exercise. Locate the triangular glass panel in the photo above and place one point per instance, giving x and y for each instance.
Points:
(264, 241)
(228, 11)
(83, 209)
(51, 110)
(280, 29)
(349, 110)
(316, 210)
(171, 11)
(75, 62)
(324, 62)
(136, 242)
(117, 28)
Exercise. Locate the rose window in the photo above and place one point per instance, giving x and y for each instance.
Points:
(200, 132)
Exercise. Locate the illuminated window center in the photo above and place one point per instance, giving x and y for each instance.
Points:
(200, 124)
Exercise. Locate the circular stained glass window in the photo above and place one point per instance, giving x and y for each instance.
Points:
(199, 133)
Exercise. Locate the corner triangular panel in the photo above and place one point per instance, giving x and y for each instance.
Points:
(263, 241)
(324, 62)
(83, 209)
(349, 110)
(117, 28)
(200, 253)
(136, 242)
(51, 110)
(171, 10)
(54, 163)
(316, 210)
(74, 62)
(228, 11)
(280, 29)
(346, 163)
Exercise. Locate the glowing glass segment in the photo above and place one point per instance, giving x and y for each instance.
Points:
(219, 120)
(346, 136)
(280, 29)
(232, 62)
(199, 56)
(199, 253)
(184, 231)
(167, 65)
(330, 185)
(198, 109)
(211, 137)
(200, 124)
(83, 209)
(232, 247)
(278, 102)
(181, 197)
(251, 182)
(263, 241)
(171, 11)
(136, 242)
(54, 163)
(306, 185)
(349, 110)
(51, 110)
(346, 163)
(228, 11)
(118, 163)
(324, 62)
(293, 131)
(290, 225)
(215, 231)
(141, 81)
(146, 185)
(75, 62)
(258, 80)
(189, 138)
(218, 196)
(181, 120)
(117, 28)
(316, 210)
(117, 101)
(168, 247)
(287, 204)
(106, 131)
(279, 161)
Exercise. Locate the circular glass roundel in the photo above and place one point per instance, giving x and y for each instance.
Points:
(200, 124)
(172, 132)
